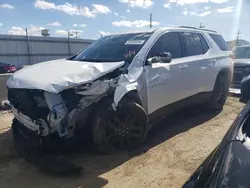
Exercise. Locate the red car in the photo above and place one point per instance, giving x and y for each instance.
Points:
(7, 68)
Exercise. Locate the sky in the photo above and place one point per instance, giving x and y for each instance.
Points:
(93, 18)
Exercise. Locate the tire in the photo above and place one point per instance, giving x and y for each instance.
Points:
(219, 94)
(25, 147)
(111, 133)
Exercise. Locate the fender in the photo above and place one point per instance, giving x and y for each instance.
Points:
(122, 90)
(227, 72)
(127, 82)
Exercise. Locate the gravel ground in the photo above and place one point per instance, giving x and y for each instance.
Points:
(173, 150)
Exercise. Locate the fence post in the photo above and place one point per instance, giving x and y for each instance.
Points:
(69, 44)
(28, 46)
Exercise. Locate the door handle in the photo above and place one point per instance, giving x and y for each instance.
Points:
(183, 66)
(203, 68)
(213, 60)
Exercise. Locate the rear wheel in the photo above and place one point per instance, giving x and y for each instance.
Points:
(219, 94)
(115, 131)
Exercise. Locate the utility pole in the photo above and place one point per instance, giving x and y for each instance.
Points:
(238, 38)
(75, 32)
(150, 20)
(28, 46)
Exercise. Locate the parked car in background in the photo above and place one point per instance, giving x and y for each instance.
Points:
(7, 68)
(229, 164)
(120, 86)
(241, 67)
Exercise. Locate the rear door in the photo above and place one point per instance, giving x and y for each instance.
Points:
(220, 59)
(195, 51)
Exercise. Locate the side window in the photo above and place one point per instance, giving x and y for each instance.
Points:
(169, 42)
(204, 44)
(219, 40)
(192, 44)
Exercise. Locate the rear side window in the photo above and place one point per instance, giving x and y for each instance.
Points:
(204, 44)
(219, 40)
(192, 44)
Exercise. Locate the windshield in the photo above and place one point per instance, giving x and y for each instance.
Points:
(242, 52)
(114, 48)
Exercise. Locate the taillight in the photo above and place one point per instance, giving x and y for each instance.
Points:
(9, 68)
(12, 68)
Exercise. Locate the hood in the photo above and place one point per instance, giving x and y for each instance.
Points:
(58, 75)
(242, 62)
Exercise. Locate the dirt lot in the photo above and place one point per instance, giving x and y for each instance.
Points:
(174, 149)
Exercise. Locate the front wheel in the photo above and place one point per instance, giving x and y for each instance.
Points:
(219, 94)
(125, 128)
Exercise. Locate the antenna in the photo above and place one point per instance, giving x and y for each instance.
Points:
(201, 25)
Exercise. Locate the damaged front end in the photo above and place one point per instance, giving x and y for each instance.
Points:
(49, 115)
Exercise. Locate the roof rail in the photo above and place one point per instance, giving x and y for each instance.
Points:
(198, 28)
(207, 30)
(188, 27)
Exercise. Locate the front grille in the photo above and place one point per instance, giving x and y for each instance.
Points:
(238, 74)
(239, 69)
(23, 100)
(237, 78)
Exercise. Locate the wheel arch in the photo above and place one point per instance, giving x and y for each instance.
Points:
(224, 72)
(132, 95)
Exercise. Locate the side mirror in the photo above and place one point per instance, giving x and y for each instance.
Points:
(164, 57)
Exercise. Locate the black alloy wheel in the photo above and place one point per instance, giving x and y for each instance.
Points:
(122, 129)
(219, 94)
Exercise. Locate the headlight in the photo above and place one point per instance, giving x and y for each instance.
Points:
(246, 71)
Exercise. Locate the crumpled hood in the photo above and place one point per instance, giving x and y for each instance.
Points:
(58, 75)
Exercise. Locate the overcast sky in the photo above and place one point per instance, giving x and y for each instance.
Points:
(94, 17)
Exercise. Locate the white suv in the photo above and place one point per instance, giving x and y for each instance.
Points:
(119, 87)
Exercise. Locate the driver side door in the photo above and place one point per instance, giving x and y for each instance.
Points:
(165, 82)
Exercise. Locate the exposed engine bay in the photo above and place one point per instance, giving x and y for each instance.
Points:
(46, 112)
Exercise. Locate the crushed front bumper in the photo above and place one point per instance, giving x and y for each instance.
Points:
(28, 142)
(25, 120)
(40, 127)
